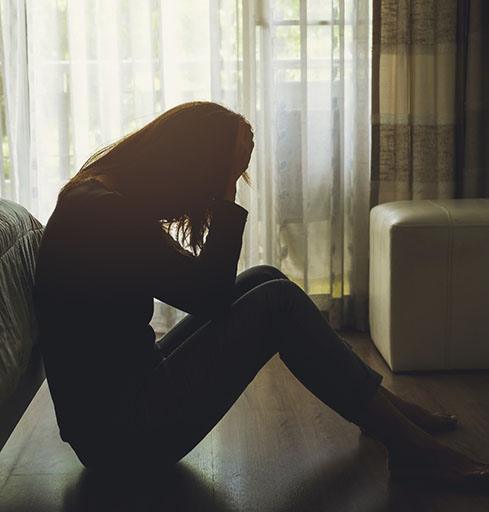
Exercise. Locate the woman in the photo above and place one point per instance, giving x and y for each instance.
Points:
(107, 252)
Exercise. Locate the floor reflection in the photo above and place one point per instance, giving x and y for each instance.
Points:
(182, 488)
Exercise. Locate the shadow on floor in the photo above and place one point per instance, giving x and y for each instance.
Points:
(328, 484)
(355, 481)
(182, 488)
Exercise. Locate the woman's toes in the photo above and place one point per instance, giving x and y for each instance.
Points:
(432, 422)
(444, 422)
(478, 479)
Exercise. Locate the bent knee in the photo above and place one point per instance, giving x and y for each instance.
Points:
(271, 297)
(267, 271)
(279, 288)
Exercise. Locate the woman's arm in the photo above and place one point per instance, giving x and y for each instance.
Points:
(136, 257)
(203, 284)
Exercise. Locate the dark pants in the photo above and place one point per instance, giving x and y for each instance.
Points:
(207, 364)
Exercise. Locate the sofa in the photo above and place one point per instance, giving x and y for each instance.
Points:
(21, 366)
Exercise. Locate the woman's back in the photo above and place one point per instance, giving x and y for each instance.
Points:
(93, 312)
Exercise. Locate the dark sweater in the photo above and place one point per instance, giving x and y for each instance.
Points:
(100, 265)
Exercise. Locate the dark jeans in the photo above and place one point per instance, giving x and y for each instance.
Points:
(207, 364)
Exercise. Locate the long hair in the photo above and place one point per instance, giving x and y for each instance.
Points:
(188, 149)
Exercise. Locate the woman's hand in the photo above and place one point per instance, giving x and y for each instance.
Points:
(241, 158)
(230, 193)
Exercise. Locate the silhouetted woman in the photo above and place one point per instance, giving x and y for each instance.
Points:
(123, 400)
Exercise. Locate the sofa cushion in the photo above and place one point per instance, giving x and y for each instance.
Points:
(20, 237)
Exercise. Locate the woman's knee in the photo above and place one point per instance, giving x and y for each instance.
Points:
(277, 293)
(261, 273)
(255, 276)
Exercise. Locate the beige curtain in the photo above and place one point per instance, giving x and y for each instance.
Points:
(414, 72)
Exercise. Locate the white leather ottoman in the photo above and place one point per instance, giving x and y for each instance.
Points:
(429, 283)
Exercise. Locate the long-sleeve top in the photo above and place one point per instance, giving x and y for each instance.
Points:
(100, 265)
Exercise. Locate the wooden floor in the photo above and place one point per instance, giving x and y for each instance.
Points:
(278, 449)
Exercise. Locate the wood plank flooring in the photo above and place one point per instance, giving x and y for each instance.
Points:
(278, 449)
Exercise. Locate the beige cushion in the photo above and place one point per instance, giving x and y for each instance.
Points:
(429, 283)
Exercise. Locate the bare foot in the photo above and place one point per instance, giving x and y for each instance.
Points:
(436, 463)
(431, 422)
(414, 454)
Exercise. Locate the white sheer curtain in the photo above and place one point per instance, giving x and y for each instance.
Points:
(77, 74)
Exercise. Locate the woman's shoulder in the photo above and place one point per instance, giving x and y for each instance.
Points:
(85, 208)
(88, 199)
(91, 210)
(89, 188)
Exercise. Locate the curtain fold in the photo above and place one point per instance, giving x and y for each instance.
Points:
(429, 99)
(473, 165)
(414, 108)
(299, 70)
